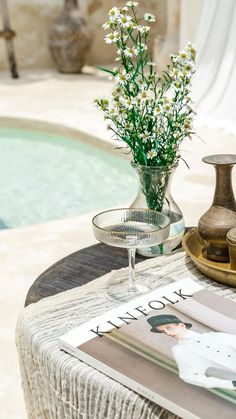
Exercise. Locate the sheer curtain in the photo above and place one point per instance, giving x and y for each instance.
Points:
(214, 84)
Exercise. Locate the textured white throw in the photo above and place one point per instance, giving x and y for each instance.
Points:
(59, 386)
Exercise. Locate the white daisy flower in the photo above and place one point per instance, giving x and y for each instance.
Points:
(127, 102)
(126, 21)
(149, 17)
(145, 137)
(106, 25)
(157, 110)
(175, 73)
(114, 13)
(143, 29)
(122, 77)
(145, 95)
(129, 125)
(132, 4)
(125, 38)
(131, 52)
(183, 54)
(114, 112)
(151, 154)
(189, 67)
(112, 38)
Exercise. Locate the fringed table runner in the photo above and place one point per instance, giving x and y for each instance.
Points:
(59, 386)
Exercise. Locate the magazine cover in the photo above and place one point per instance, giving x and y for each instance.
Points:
(175, 345)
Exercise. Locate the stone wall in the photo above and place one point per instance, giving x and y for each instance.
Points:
(32, 19)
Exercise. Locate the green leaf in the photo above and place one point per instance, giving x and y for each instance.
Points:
(185, 162)
(106, 70)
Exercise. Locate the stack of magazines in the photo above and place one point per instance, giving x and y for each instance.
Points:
(175, 345)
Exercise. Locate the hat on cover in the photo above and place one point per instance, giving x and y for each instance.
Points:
(156, 321)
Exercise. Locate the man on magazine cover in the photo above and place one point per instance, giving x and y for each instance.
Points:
(196, 354)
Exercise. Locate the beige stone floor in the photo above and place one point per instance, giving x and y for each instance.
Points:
(27, 251)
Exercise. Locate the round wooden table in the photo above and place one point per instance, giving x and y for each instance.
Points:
(78, 269)
(57, 385)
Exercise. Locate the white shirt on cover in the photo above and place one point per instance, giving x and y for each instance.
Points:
(196, 352)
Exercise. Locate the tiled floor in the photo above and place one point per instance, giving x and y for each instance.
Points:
(26, 252)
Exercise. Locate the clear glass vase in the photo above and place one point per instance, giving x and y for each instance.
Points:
(155, 193)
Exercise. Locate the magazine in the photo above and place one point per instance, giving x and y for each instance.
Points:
(175, 346)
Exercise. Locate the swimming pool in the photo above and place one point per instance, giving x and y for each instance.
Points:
(46, 176)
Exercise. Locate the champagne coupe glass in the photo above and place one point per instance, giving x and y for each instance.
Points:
(130, 228)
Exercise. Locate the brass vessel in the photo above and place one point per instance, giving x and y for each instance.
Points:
(195, 248)
(221, 216)
(231, 241)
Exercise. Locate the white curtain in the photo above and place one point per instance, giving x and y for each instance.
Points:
(214, 85)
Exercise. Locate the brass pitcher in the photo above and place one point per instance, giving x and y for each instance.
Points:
(221, 216)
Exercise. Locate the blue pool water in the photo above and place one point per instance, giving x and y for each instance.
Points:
(45, 177)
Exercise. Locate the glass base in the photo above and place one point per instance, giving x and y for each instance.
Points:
(118, 290)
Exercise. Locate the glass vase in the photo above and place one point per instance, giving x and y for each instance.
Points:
(155, 193)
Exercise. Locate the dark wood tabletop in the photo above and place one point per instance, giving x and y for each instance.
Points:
(78, 269)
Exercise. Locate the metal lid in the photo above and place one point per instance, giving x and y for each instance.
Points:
(220, 159)
(231, 236)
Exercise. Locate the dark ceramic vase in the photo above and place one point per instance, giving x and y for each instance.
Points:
(221, 216)
(69, 39)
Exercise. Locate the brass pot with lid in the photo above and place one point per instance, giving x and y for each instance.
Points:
(231, 241)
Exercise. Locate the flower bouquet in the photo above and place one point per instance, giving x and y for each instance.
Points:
(150, 113)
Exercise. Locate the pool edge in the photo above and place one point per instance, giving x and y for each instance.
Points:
(62, 130)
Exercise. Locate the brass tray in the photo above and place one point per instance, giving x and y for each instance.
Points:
(195, 248)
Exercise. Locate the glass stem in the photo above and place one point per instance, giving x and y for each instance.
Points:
(131, 286)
